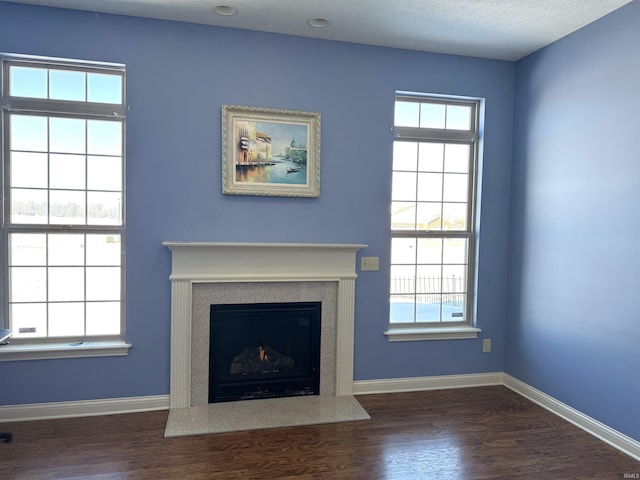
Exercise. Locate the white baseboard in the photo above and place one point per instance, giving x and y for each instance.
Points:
(84, 408)
(112, 406)
(414, 384)
(590, 425)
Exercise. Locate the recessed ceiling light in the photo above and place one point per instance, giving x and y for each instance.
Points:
(225, 10)
(318, 22)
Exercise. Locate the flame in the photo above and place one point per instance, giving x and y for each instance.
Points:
(263, 355)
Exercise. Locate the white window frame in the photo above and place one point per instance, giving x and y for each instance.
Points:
(466, 329)
(57, 347)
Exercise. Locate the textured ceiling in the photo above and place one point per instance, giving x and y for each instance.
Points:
(499, 29)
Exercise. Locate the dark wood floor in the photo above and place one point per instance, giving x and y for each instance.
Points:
(475, 433)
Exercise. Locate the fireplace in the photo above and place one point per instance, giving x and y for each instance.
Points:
(204, 273)
(264, 350)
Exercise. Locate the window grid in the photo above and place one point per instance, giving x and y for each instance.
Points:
(437, 290)
(50, 190)
(96, 298)
(49, 264)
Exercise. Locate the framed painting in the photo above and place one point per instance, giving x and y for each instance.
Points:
(270, 152)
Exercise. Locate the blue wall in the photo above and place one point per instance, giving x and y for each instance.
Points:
(573, 324)
(178, 76)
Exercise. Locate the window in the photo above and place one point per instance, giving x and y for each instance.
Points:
(432, 217)
(63, 214)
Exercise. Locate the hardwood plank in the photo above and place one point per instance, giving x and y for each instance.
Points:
(485, 433)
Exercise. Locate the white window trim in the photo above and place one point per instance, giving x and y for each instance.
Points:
(48, 351)
(431, 333)
(423, 331)
(45, 348)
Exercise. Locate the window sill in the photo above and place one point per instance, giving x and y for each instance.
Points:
(422, 333)
(47, 351)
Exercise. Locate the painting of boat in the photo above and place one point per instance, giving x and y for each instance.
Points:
(266, 151)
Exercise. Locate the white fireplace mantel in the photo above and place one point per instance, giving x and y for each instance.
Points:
(206, 262)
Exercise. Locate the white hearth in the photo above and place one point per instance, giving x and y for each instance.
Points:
(206, 273)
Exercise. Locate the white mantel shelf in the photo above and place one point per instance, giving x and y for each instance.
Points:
(229, 262)
(322, 246)
(212, 262)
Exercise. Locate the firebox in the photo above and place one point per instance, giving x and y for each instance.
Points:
(264, 350)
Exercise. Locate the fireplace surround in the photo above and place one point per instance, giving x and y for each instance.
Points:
(205, 273)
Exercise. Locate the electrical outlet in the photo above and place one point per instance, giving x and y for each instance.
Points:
(370, 264)
(486, 345)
